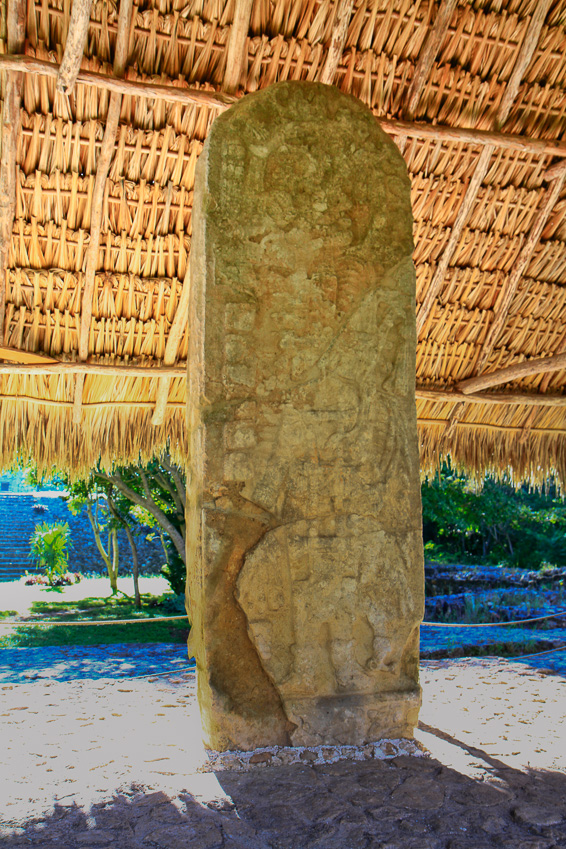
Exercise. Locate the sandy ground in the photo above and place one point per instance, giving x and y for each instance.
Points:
(16, 596)
(115, 763)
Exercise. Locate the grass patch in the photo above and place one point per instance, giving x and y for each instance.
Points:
(95, 609)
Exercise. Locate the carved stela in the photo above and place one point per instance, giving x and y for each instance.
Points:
(305, 547)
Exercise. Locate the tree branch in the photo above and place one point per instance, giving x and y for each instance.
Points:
(148, 504)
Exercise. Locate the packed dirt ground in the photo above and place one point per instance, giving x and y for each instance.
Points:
(96, 763)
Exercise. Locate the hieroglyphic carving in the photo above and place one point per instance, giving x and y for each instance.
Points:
(302, 408)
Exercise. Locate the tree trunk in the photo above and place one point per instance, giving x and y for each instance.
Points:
(113, 571)
(96, 531)
(135, 565)
(135, 560)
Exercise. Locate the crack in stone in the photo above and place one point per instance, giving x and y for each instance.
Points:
(235, 661)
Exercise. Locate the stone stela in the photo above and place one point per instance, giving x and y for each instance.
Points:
(304, 519)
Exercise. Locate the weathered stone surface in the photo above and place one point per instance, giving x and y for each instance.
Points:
(304, 526)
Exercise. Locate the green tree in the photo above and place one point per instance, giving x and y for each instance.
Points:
(49, 549)
(128, 497)
(492, 522)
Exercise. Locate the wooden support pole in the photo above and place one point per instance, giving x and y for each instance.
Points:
(510, 286)
(153, 91)
(463, 213)
(171, 349)
(11, 124)
(74, 46)
(428, 54)
(514, 372)
(453, 396)
(344, 9)
(100, 369)
(237, 45)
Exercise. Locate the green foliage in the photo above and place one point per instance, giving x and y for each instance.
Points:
(49, 549)
(176, 572)
(98, 609)
(492, 524)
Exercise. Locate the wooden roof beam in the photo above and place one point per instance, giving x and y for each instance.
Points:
(74, 46)
(237, 45)
(171, 349)
(218, 100)
(462, 216)
(11, 124)
(102, 168)
(549, 431)
(428, 54)
(15, 355)
(522, 61)
(514, 372)
(453, 396)
(510, 286)
(153, 91)
(100, 369)
(462, 135)
(344, 9)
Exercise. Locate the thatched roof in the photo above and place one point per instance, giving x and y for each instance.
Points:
(95, 217)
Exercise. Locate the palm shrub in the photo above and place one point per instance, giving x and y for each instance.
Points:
(49, 549)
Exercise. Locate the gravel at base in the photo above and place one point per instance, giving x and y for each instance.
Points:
(108, 763)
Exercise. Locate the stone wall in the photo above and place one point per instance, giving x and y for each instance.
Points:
(304, 504)
(20, 513)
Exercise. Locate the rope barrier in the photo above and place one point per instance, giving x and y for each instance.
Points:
(155, 674)
(537, 653)
(561, 615)
(55, 623)
(91, 622)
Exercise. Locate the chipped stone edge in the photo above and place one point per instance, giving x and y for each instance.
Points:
(311, 755)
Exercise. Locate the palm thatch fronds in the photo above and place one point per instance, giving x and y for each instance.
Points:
(489, 232)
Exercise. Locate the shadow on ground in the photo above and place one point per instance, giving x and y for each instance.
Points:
(406, 803)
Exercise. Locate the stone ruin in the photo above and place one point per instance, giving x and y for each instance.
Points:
(304, 518)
